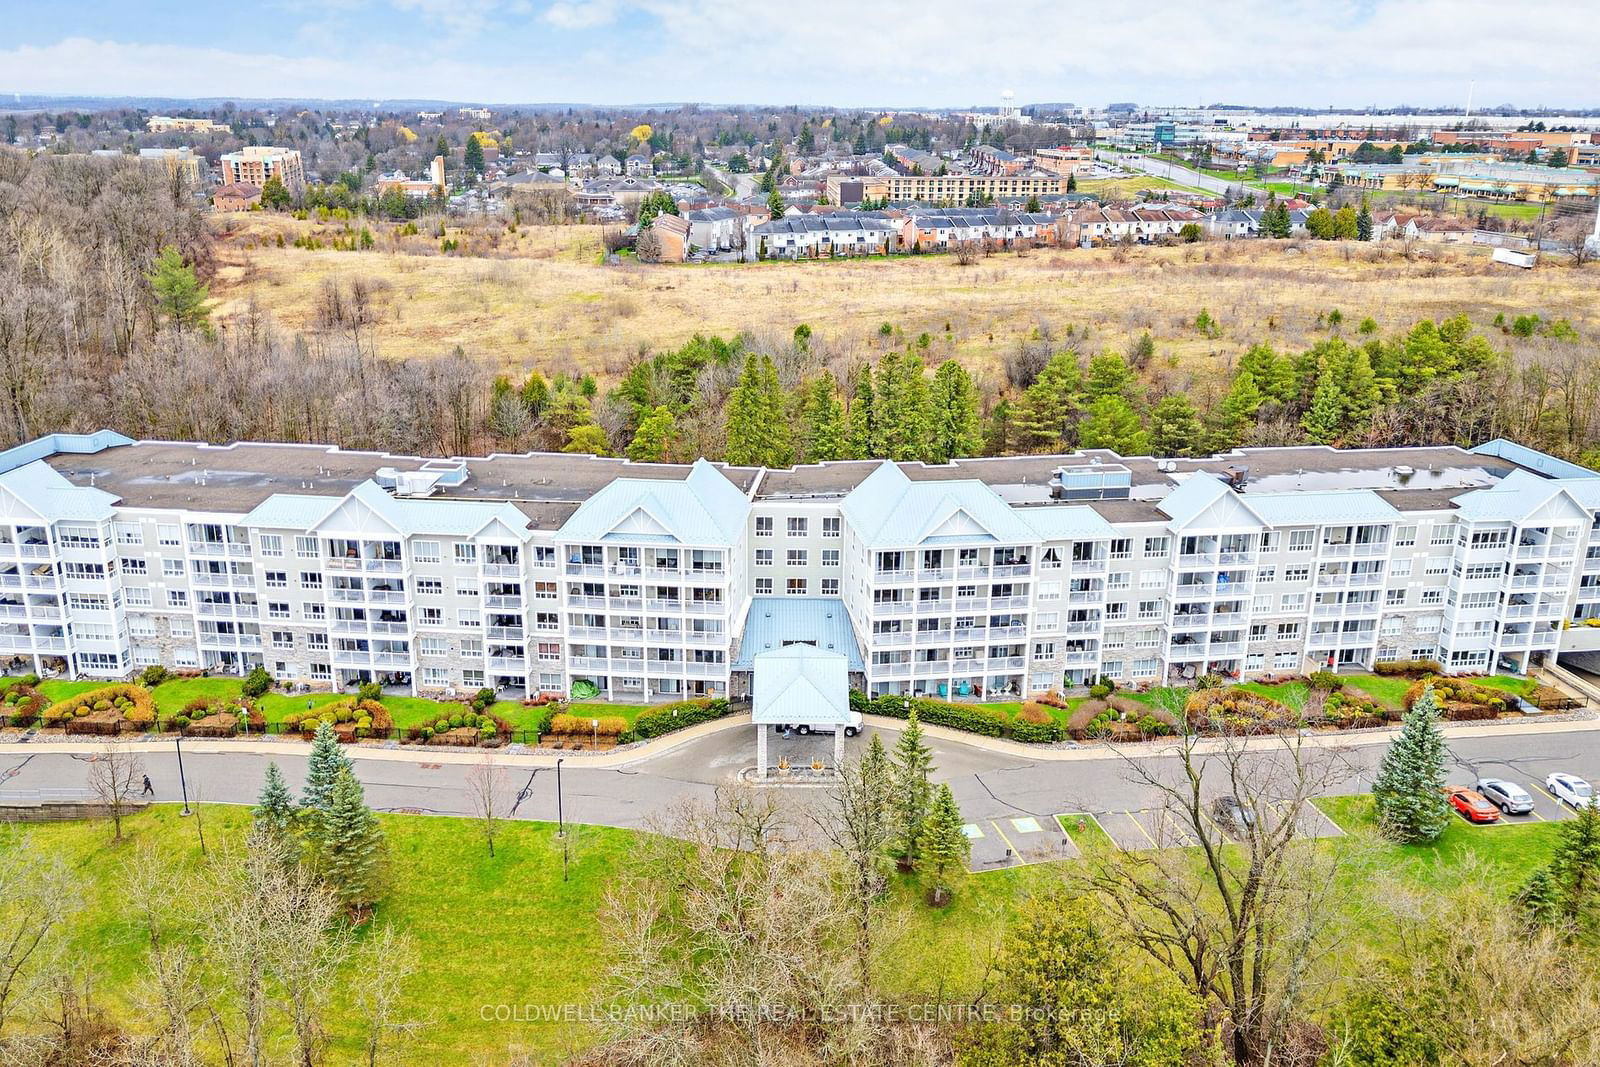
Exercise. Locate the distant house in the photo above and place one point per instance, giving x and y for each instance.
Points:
(1231, 224)
(673, 233)
(237, 196)
(1389, 224)
(638, 166)
(608, 166)
(719, 229)
(813, 236)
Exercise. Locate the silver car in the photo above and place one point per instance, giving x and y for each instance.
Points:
(1509, 797)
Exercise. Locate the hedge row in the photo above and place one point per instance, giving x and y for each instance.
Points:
(969, 717)
(1461, 700)
(1407, 666)
(670, 717)
(131, 703)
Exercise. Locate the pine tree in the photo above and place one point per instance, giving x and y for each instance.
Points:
(861, 434)
(180, 297)
(774, 409)
(747, 436)
(945, 846)
(1274, 374)
(535, 394)
(1231, 422)
(1539, 900)
(913, 762)
(1575, 868)
(775, 204)
(953, 408)
(902, 407)
(1108, 376)
(349, 845)
(1174, 427)
(652, 441)
(1048, 404)
(322, 768)
(276, 195)
(474, 154)
(1407, 789)
(1072, 183)
(1112, 423)
(274, 810)
(1322, 422)
(998, 429)
(442, 147)
(822, 416)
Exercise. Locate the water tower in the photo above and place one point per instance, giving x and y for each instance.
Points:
(1009, 112)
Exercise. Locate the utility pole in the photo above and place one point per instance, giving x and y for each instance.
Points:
(182, 782)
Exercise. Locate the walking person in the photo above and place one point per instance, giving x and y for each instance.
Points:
(149, 790)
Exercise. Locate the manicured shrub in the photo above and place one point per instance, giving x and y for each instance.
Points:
(256, 683)
(152, 676)
(482, 699)
(1327, 681)
(369, 691)
(1406, 666)
(669, 717)
(969, 717)
(117, 699)
(1101, 689)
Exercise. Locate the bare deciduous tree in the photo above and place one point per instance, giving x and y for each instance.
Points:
(36, 889)
(384, 963)
(114, 776)
(486, 793)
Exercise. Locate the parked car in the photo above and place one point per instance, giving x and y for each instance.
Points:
(851, 728)
(1471, 804)
(1571, 790)
(1509, 797)
(1230, 814)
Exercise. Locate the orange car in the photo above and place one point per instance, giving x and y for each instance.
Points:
(1471, 804)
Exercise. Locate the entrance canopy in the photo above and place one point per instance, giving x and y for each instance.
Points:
(803, 685)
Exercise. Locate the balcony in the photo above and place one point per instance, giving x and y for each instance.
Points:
(972, 571)
(1081, 659)
(33, 551)
(1199, 560)
(934, 607)
(1226, 648)
(933, 637)
(904, 637)
(715, 638)
(586, 601)
(1524, 581)
(500, 570)
(1008, 602)
(588, 570)
(1022, 570)
(1006, 663)
(891, 607)
(503, 603)
(494, 633)
(219, 548)
(936, 574)
(589, 663)
(890, 670)
(884, 577)
(704, 607)
(39, 581)
(1081, 628)
(663, 605)
(506, 663)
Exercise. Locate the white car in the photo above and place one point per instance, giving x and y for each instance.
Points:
(1571, 790)
(851, 728)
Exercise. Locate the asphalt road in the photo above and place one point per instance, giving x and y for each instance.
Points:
(988, 785)
(1160, 168)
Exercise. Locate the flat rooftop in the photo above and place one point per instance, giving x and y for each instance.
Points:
(549, 486)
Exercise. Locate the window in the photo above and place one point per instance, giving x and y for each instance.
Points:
(1394, 598)
(1288, 631)
(425, 551)
(137, 596)
(797, 526)
(430, 586)
(1152, 579)
(433, 646)
(1044, 650)
(1423, 652)
(1047, 620)
(1258, 633)
(1400, 568)
(182, 628)
(466, 553)
(796, 557)
(1302, 540)
(1405, 536)
(277, 579)
(468, 589)
(172, 568)
(830, 557)
(1255, 661)
(763, 587)
(472, 646)
(271, 545)
(763, 525)
(1437, 565)
(468, 618)
(430, 616)
(169, 536)
(1389, 628)
(177, 598)
(282, 639)
(1292, 602)
(1443, 534)
(1266, 575)
(1297, 574)
(130, 533)
(1432, 597)
(830, 587)
(321, 672)
(796, 587)
(1261, 604)
(1155, 547)
(1269, 541)
(1149, 609)
(134, 565)
(436, 676)
(316, 641)
(763, 557)
(310, 580)
(305, 547)
(1285, 661)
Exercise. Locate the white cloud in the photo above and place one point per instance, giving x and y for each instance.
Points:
(581, 14)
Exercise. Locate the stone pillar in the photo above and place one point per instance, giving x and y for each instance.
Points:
(761, 752)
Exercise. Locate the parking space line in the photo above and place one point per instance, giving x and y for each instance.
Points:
(1009, 846)
(1560, 807)
(1135, 820)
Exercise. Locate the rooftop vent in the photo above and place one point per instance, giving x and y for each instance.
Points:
(1237, 476)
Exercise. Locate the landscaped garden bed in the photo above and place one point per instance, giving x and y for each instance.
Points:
(108, 710)
(218, 717)
(352, 719)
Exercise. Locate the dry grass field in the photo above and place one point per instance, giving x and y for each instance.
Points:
(540, 297)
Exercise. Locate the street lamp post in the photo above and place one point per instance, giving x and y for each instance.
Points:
(561, 818)
(182, 781)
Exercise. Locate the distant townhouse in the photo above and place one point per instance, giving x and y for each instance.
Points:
(987, 159)
(170, 124)
(608, 166)
(672, 233)
(719, 229)
(816, 236)
(978, 579)
(943, 231)
(1143, 224)
(1437, 229)
(256, 164)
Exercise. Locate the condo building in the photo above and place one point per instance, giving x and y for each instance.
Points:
(982, 578)
(257, 164)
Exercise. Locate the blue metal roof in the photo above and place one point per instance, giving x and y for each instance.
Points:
(887, 508)
(42, 489)
(1523, 456)
(776, 621)
(703, 509)
(52, 443)
(1321, 509)
(801, 684)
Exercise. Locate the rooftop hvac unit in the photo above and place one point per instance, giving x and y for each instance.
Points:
(1096, 481)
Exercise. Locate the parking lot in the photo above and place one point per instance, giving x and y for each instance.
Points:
(1546, 808)
(1012, 841)
(1150, 828)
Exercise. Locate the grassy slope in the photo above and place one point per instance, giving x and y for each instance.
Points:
(551, 305)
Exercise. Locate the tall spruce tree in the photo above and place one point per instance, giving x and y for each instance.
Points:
(652, 441)
(945, 846)
(1175, 427)
(1411, 808)
(1575, 869)
(1325, 418)
(861, 434)
(902, 407)
(1041, 420)
(913, 763)
(274, 810)
(1230, 423)
(822, 416)
(474, 154)
(180, 297)
(349, 846)
(953, 410)
(754, 429)
(323, 765)
(1364, 222)
(1108, 376)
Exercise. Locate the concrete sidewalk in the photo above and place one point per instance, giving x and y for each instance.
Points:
(649, 750)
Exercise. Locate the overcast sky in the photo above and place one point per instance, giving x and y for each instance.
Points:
(1316, 53)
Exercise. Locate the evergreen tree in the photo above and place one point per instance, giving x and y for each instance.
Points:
(945, 847)
(535, 394)
(652, 441)
(913, 763)
(1346, 226)
(349, 846)
(659, 202)
(1364, 222)
(1274, 374)
(1033, 206)
(1040, 421)
(587, 439)
(323, 765)
(860, 146)
(1539, 900)
(275, 195)
(822, 416)
(998, 429)
(953, 407)
(757, 429)
(180, 298)
(861, 432)
(902, 407)
(1323, 421)
(1112, 423)
(1072, 183)
(775, 204)
(1231, 422)
(274, 810)
(1575, 869)
(442, 147)
(1407, 789)
(1108, 376)
(1175, 427)
(474, 154)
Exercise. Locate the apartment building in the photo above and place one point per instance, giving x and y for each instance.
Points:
(956, 188)
(254, 164)
(645, 582)
(171, 124)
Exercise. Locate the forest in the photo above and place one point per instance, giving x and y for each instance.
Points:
(104, 321)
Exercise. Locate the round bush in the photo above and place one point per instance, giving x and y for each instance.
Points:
(441, 726)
